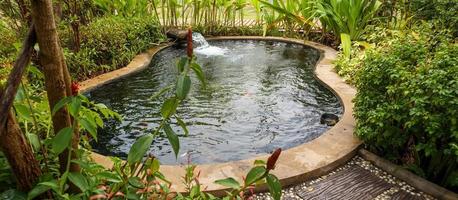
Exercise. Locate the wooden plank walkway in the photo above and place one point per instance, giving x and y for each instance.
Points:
(357, 180)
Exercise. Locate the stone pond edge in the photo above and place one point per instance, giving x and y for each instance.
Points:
(295, 165)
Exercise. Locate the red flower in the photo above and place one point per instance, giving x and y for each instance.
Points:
(273, 159)
(189, 41)
(75, 88)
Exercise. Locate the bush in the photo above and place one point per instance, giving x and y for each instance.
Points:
(407, 104)
(110, 43)
(8, 40)
(443, 12)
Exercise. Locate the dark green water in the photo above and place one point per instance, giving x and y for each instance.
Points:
(260, 96)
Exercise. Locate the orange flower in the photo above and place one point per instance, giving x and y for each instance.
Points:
(189, 48)
(273, 159)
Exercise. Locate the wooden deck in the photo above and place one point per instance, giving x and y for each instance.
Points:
(357, 180)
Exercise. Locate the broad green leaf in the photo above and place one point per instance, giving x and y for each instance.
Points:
(74, 107)
(195, 190)
(274, 186)
(37, 190)
(155, 166)
(255, 174)
(89, 127)
(51, 184)
(183, 125)
(169, 107)
(346, 44)
(34, 140)
(229, 182)
(173, 139)
(136, 182)
(200, 74)
(79, 180)
(183, 86)
(62, 140)
(109, 176)
(60, 104)
(139, 148)
(181, 64)
(23, 111)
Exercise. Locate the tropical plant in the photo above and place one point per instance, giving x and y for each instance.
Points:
(293, 15)
(346, 18)
(125, 8)
(109, 43)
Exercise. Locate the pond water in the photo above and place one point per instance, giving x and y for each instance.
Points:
(261, 95)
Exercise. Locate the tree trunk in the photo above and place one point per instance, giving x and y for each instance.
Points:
(18, 152)
(57, 79)
(20, 156)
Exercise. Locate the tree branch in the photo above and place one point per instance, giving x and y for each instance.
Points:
(14, 79)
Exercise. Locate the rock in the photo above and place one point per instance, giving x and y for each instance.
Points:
(329, 119)
(177, 34)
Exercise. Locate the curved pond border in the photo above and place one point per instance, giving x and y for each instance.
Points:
(295, 165)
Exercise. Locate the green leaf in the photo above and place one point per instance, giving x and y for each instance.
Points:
(183, 86)
(195, 190)
(37, 190)
(74, 107)
(173, 139)
(139, 148)
(274, 186)
(60, 104)
(260, 162)
(229, 182)
(13, 194)
(200, 74)
(51, 184)
(136, 182)
(169, 107)
(346, 44)
(23, 112)
(181, 64)
(162, 91)
(183, 125)
(155, 166)
(109, 176)
(255, 174)
(34, 140)
(89, 127)
(79, 180)
(62, 140)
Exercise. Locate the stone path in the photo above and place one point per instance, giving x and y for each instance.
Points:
(356, 180)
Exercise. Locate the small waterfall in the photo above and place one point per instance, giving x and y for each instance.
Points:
(199, 40)
(202, 47)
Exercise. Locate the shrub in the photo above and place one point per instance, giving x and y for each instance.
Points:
(443, 12)
(407, 104)
(110, 43)
(8, 45)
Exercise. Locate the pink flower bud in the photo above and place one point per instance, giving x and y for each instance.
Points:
(273, 159)
(189, 48)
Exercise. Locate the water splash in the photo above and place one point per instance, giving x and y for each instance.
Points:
(203, 48)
